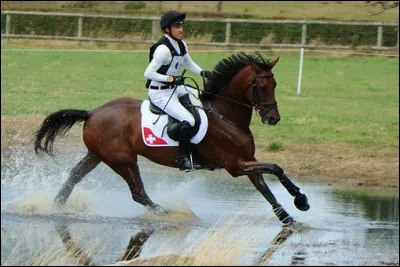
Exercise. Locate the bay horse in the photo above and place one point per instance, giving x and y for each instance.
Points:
(112, 133)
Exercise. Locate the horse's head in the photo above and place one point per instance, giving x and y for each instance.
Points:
(245, 81)
(260, 91)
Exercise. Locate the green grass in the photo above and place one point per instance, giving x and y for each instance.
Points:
(345, 99)
(274, 146)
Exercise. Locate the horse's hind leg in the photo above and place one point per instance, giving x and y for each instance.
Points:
(87, 164)
(131, 175)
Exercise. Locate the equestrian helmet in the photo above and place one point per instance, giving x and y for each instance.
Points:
(172, 18)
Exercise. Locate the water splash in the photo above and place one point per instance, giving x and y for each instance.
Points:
(175, 203)
(30, 183)
(42, 203)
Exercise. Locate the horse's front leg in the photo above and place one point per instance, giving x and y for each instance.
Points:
(259, 183)
(254, 167)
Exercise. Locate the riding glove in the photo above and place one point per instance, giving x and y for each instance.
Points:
(205, 73)
(178, 80)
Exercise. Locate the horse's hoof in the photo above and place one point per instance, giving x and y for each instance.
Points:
(58, 204)
(288, 222)
(158, 210)
(301, 202)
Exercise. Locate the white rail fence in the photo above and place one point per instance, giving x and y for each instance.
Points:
(228, 22)
(155, 33)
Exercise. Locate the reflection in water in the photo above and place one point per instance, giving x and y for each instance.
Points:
(81, 257)
(72, 248)
(299, 257)
(374, 206)
(344, 227)
(279, 239)
(136, 244)
(138, 240)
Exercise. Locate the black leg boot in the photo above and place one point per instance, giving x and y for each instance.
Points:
(185, 134)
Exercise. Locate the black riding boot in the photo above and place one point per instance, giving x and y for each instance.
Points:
(185, 134)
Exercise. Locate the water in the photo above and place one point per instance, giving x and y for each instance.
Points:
(217, 218)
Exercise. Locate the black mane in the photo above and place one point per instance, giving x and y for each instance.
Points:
(226, 69)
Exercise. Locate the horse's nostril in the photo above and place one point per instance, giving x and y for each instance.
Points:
(273, 120)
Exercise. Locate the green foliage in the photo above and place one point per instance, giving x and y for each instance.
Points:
(274, 146)
(134, 5)
(3, 24)
(196, 29)
(101, 27)
(355, 41)
(43, 25)
(349, 34)
(355, 35)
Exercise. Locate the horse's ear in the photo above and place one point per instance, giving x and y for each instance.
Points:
(272, 63)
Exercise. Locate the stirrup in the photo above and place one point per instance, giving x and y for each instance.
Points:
(185, 164)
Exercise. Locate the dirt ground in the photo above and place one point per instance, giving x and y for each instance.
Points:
(329, 163)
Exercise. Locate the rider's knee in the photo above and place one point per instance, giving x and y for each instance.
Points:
(191, 121)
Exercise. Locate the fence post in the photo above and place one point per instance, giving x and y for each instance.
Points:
(228, 32)
(8, 25)
(303, 43)
(80, 23)
(379, 38)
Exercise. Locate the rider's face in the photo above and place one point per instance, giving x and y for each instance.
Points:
(176, 31)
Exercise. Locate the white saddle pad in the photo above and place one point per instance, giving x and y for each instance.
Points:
(153, 134)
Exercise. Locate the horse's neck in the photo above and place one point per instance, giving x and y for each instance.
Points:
(233, 110)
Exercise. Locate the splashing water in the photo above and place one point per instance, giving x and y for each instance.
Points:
(41, 202)
(179, 210)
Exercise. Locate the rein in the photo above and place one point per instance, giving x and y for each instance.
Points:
(227, 99)
(253, 83)
(210, 109)
(254, 104)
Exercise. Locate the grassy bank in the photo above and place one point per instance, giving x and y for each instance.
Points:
(344, 126)
(327, 10)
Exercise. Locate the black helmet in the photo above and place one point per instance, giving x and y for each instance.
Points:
(171, 18)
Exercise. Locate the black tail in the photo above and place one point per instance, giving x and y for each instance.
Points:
(57, 123)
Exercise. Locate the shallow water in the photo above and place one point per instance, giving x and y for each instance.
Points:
(217, 218)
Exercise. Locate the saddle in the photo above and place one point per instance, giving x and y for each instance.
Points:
(163, 130)
(173, 126)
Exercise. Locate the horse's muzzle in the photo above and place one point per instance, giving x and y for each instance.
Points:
(271, 118)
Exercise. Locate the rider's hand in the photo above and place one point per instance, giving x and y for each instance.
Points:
(205, 73)
(178, 80)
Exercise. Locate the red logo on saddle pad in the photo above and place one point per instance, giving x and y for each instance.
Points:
(151, 138)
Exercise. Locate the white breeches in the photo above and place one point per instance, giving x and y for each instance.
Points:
(174, 108)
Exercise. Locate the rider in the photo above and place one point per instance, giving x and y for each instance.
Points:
(163, 73)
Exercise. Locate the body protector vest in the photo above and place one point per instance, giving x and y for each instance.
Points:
(174, 67)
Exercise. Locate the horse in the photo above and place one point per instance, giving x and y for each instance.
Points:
(112, 133)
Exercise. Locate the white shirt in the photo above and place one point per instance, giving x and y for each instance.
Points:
(162, 56)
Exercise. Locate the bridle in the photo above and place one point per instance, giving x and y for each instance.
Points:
(261, 107)
(253, 104)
